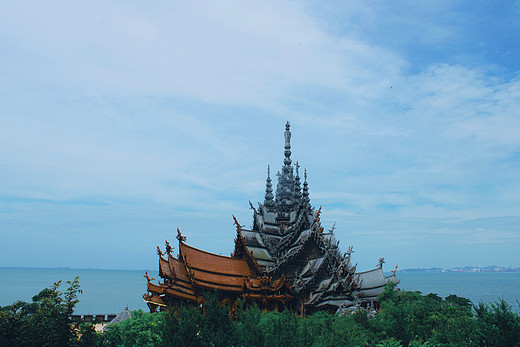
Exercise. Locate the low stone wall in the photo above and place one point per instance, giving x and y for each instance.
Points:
(93, 318)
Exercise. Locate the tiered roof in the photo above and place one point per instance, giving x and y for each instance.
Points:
(187, 277)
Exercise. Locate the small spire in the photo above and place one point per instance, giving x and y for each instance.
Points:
(269, 197)
(297, 187)
(305, 194)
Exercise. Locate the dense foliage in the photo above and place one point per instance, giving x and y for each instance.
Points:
(46, 321)
(405, 319)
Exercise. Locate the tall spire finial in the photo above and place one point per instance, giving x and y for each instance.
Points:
(287, 152)
(285, 202)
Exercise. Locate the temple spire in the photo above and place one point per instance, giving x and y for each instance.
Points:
(269, 197)
(297, 187)
(306, 199)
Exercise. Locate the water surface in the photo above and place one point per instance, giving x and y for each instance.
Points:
(109, 291)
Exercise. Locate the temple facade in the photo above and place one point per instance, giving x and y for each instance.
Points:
(285, 260)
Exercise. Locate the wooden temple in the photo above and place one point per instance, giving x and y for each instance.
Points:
(286, 260)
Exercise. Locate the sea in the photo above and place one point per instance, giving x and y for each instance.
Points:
(110, 291)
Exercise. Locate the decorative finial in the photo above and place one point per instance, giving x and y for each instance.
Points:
(168, 247)
(159, 252)
(237, 224)
(395, 269)
(148, 277)
(381, 261)
(180, 237)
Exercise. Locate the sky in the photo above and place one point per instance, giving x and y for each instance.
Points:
(123, 121)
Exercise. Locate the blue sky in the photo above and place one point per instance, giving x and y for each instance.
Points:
(120, 122)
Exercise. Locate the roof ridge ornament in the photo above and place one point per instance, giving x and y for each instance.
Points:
(237, 224)
(380, 262)
(147, 278)
(168, 247)
(179, 236)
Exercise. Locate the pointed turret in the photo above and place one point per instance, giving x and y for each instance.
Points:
(306, 199)
(269, 197)
(297, 186)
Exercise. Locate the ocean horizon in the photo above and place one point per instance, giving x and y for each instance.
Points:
(110, 291)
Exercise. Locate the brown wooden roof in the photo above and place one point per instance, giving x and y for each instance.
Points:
(164, 268)
(196, 259)
(196, 269)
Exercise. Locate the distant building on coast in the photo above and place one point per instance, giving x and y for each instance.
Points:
(492, 268)
(286, 260)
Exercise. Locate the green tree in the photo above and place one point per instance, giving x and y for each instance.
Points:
(279, 328)
(248, 332)
(182, 327)
(46, 321)
(410, 316)
(143, 329)
(216, 328)
(497, 324)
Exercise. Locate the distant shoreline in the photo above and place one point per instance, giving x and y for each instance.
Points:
(492, 268)
(69, 268)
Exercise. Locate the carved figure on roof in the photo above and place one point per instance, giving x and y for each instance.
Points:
(179, 236)
(168, 247)
(148, 277)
